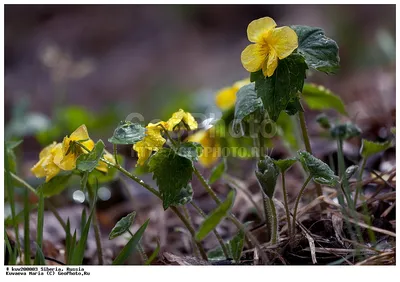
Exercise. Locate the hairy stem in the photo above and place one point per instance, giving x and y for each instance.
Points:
(296, 205)
(271, 219)
(359, 182)
(285, 199)
(307, 144)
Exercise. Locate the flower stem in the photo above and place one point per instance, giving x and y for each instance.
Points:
(115, 153)
(140, 249)
(298, 201)
(219, 238)
(271, 220)
(359, 178)
(285, 199)
(307, 144)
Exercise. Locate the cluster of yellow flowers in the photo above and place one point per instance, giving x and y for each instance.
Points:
(154, 141)
(61, 156)
(270, 44)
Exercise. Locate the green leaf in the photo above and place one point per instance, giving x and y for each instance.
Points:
(122, 225)
(284, 164)
(350, 171)
(39, 257)
(323, 121)
(189, 150)
(185, 196)
(99, 177)
(286, 129)
(294, 106)
(282, 87)
(345, 131)
(56, 185)
(79, 250)
(235, 245)
(172, 173)
(130, 247)
(320, 52)
(216, 216)
(128, 133)
(89, 161)
(267, 173)
(247, 102)
(154, 254)
(319, 170)
(217, 171)
(216, 254)
(369, 148)
(318, 97)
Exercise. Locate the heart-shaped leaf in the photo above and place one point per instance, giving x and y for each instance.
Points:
(122, 225)
(128, 133)
(319, 170)
(369, 148)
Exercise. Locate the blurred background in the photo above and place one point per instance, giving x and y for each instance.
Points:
(66, 65)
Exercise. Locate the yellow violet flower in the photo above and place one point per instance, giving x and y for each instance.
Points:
(46, 167)
(68, 161)
(103, 167)
(211, 147)
(226, 97)
(270, 44)
(183, 116)
(153, 141)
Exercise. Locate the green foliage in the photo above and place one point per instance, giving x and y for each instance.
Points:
(189, 150)
(320, 171)
(89, 161)
(131, 246)
(284, 164)
(185, 195)
(320, 52)
(122, 225)
(235, 248)
(369, 148)
(12, 159)
(172, 173)
(345, 131)
(39, 259)
(79, 250)
(286, 129)
(217, 171)
(277, 91)
(154, 254)
(323, 121)
(247, 102)
(350, 171)
(127, 133)
(56, 185)
(267, 173)
(215, 217)
(99, 177)
(318, 97)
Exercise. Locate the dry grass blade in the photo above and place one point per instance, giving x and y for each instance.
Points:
(384, 258)
(184, 260)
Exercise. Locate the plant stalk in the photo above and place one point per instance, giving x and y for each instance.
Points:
(97, 233)
(285, 199)
(296, 205)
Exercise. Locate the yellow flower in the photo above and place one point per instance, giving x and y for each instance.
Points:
(270, 44)
(183, 116)
(46, 167)
(102, 165)
(226, 97)
(211, 147)
(68, 161)
(153, 141)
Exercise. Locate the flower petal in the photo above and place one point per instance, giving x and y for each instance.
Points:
(80, 133)
(253, 57)
(226, 98)
(175, 119)
(284, 40)
(270, 64)
(258, 27)
(211, 148)
(142, 151)
(189, 120)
